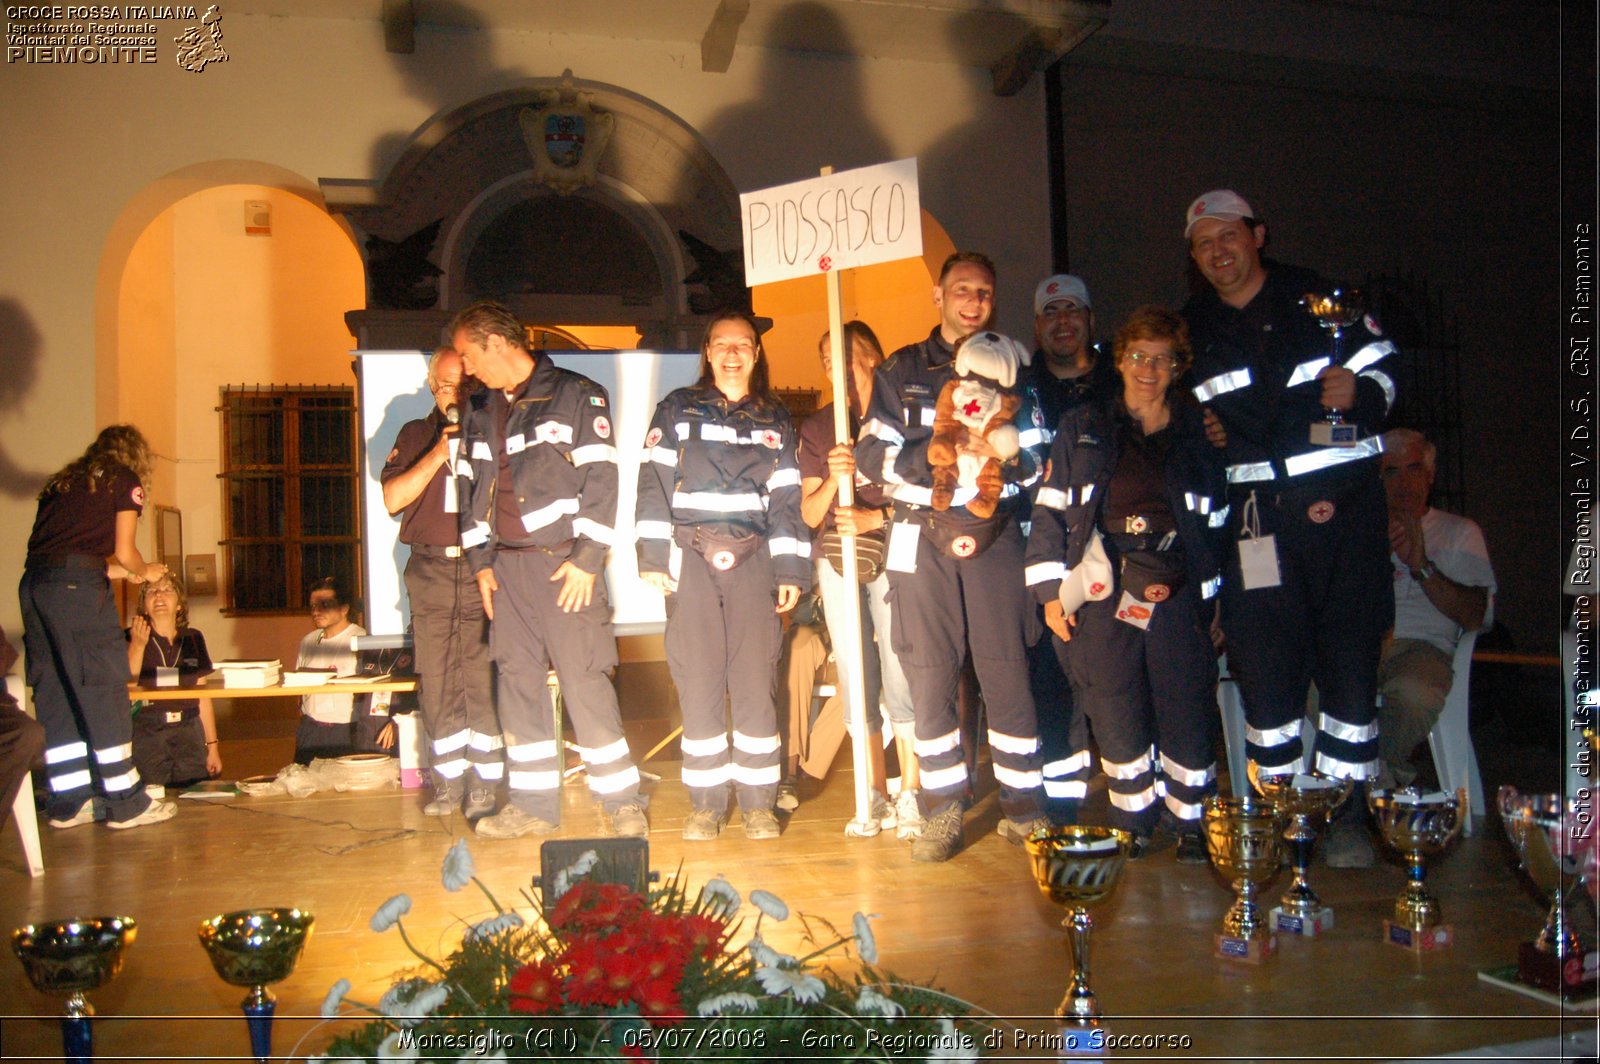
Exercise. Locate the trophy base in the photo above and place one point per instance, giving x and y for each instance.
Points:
(1304, 926)
(1428, 940)
(1575, 978)
(1081, 1041)
(1248, 950)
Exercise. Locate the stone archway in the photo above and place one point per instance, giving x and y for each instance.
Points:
(475, 208)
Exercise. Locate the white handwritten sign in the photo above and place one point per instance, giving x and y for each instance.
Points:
(836, 222)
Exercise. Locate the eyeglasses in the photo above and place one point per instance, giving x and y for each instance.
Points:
(1154, 361)
(324, 605)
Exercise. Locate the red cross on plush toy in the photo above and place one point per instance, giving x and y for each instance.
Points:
(979, 402)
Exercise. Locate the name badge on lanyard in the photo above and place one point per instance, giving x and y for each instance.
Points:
(902, 554)
(166, 676)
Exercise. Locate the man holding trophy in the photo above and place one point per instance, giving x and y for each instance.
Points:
(1294, 371)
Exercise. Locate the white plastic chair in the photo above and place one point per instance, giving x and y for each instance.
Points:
(1450, 741)
(22, 810)
(1231, 705)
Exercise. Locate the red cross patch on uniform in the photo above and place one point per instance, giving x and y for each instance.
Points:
(1372, 325)
(1157, 593)
(602, 427)
(1321, 511)
(653, 438)
(137, 494)
(963, 546)
(722, 561)
(772, 438)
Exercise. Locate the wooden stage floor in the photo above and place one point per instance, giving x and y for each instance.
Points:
(976, 926)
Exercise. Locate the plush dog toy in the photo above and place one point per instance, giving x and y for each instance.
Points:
(979, 402)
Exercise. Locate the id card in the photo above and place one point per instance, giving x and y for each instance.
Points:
(902, 554)
(1258, 562)
(1131, 611)
(166, 676)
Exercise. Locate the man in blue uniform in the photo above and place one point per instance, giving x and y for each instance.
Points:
(957, 578)
(448, 625)
(540, 484)
(1307, 594)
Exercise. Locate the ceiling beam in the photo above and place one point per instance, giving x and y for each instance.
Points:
(716, 46)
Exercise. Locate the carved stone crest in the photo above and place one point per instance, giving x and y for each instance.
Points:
(566, 136)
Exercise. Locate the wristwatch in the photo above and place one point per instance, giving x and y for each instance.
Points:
(1426, 573)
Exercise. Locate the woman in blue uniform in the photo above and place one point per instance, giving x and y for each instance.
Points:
(1136, 469)
(77, 658)
(720, 534)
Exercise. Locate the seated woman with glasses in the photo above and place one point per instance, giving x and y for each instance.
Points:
(1135, 472)
(174, 743)
(333, 725)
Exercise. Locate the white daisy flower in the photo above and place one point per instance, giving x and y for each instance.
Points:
(725, 1003)
(871, 1003)
(394, 1048)
(770, 904)
(721, 892)
(408, 1012)
(802, 986)
(335, 998)
(458, 870)
(767, 957)
(494, 925)
(391, 911)
(866, 943)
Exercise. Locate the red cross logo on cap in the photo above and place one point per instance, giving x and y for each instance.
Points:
(1321, 512)
(1052, 288)
(1199, 208)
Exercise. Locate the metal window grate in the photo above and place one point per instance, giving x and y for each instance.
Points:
(291, 494)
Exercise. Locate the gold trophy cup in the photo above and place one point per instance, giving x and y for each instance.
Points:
(1335, 310)
(1304, 801)
(70, 957)
(1243, 836)
(252, 948)
(1078, 867)
(1556, 961)
(1418, 825)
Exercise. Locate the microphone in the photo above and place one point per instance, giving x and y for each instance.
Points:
(452, 414)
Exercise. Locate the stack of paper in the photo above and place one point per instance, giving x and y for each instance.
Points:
(307, 677)
(251, 673)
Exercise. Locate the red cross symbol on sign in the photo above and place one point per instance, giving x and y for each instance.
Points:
(824, 264)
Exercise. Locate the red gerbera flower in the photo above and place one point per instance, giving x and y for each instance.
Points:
(704, 934)
(589, 982)
(535, 987)
(658, 1002)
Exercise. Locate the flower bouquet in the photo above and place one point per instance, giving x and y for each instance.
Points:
(602, 971)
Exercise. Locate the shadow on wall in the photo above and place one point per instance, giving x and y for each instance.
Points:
(19, 353)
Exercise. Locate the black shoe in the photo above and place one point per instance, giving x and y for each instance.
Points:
(941, 836)
(1192, 848)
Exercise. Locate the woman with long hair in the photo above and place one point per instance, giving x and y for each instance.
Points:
(77, 659)
(720, 534)
(174, 743)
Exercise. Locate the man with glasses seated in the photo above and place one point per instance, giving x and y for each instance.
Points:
(448, 626)
(328, 723)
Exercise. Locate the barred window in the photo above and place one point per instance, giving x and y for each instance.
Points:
(291, 494)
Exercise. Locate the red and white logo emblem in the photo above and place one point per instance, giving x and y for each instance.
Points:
(1372, 325)
(963, 546)
(723, 560)
(1321, 512)
(1157, 593)
(1052, 288)
(772, 438)
(1096, 588)
(1137, 524)
(602, 427)
(138, 494)
(653, 439)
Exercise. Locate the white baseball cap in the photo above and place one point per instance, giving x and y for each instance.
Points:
(1222, 203)
(1060, 286)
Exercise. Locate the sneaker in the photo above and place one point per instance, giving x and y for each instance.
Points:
(480, 803)
(1192, 848)
(154, 813)
(90, 811)
(1348, 845)
(788, 796)
(155, 791)
(629, 820)
(703, 825)
(444, 802)
(908, 816)
(941, 836)
(760, 824)
(884, 813)
(511, 823)
(1017, 831)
